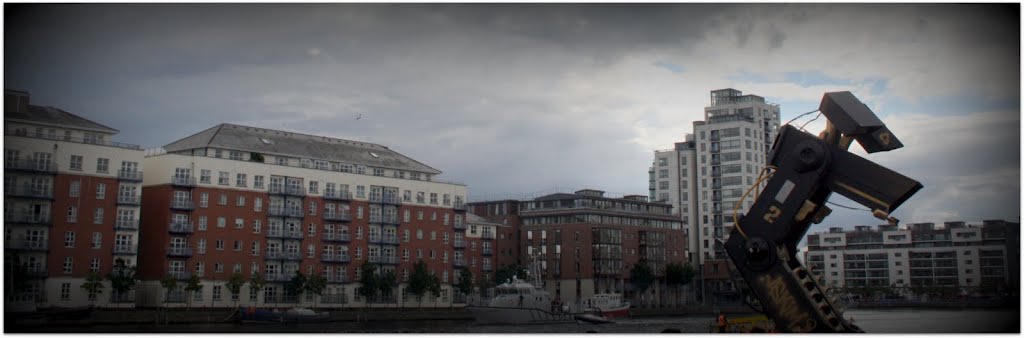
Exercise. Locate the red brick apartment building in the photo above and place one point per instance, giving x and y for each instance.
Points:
(71, 205)
(588, 243)
(244, 199)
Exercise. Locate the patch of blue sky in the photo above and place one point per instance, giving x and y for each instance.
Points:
(672, 67)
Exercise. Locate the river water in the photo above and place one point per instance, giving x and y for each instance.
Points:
(872, 321)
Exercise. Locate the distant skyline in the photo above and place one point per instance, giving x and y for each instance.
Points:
(517, 99)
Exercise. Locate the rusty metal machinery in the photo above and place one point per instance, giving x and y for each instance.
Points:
(806, 171)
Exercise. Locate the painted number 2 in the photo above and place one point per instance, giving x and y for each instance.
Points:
(772, 214)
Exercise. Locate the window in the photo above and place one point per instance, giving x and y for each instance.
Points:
(378, 172)
(433, 198)
(204, 200)
(238, 246)
(68, 264)
(407, 196)
(405, 236)
(360, 191)
(202, 223)
(76, 163)
(447, 199)
(101, 191)
(314, 187)
(65, 291)
(221, 222)
(420, 197)
(235, 155)
(72, 214)
(204, 176)
(256, 249)
(311, 230)
(97, 240)
(94, 265)
(256, 225)
(74, 190)
(220, 244)
(311, 251)
(257, 204)
(240, 180)
(223, 199)
(359, 212)
(406, 216)
(257, 182)
(419, 234)
(69, 239)
(419, 215)
(312, 208)
(98, 216)
(201, 245)
(218, 267)
(419, 253)
(239, 223)
(102, 165)
(433, 235)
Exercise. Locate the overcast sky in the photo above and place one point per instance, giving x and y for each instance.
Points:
(516, 99)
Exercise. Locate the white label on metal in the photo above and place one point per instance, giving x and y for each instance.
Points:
(783, 194)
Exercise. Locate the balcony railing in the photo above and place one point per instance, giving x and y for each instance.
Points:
(337, 216)
(337, 237)
(274, 255)
(459, 263)
(336, 258)
(126, 224)
(178, 227)
(27, 245)
(459, 244)
(391, 219)
(334, 298)
(293, 234)
(129, 175)
(280, 255)
(390, 260)
(286, 190)
(37, 272)
(75, 140)
(393, 200)
(487, 268)
(376, 219)
(27, 217)
(182, 205)
(338, 196)
(279, 277)
(122, 297)
(183, 181)
(459, 206)
(29, 191)
(125, 250)
(487, 235)
(25, 164)
(285, 212)
(460, 226)
(487, 251)
(129, 200)
(179, 252)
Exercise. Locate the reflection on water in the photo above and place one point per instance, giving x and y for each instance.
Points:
(872, 321)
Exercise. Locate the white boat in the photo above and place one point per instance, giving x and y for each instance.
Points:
(608, 305)
(518, 302)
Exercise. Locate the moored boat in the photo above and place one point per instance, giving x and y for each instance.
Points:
(608, 305)
(294, 315)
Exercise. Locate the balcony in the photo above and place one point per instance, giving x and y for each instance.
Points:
(27, 245)
(715, 150)
(487, 251)
(333, 298)
(460, 226)
(123, 297)
(29, 165)
(75, 140)
(337, 196)
(129, 175)
(177, 227)
(459, 263)
(278, 211)
(487, 235)
(391, 200)
(459, 206)
(180, 275)
(280, 255)
(183, 181)
(389, 260)
(459, 244)
(288, 191)
(716, 161)
(129, 200)
(126, 250)
(279, 277)
(338, 216)
(179, 252)
(715, 137)
(293, 234)
(716, 173)
(328, 237)
(335, 258)
(27, 217)
(391, 220)
(37, 272)
(186, 205)
(126, 224)
(274, 255)
(487, 268)
(29, 192)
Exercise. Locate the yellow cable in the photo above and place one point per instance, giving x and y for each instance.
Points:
(761, 177)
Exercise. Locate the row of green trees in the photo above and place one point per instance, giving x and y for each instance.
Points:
(122, 280)
(675, 276)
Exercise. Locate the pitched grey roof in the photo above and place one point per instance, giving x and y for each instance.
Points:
(55, 116)
(276, 142)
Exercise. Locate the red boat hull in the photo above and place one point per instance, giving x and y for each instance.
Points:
(620, 312)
